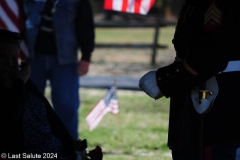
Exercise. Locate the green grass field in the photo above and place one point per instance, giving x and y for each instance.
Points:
(134, 35)
(138, 132)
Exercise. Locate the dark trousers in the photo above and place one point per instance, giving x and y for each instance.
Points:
(219, 152)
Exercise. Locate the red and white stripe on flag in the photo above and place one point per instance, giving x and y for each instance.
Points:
(11, 18)
(108, 103)
(130, 6)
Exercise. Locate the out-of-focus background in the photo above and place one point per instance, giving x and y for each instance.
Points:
(128, 46)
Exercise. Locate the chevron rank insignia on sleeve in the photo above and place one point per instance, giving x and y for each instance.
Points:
(213, 17)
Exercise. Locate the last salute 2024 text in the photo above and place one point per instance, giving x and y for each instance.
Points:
(32, 156)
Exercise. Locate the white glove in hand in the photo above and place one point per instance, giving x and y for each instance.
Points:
(149, 85)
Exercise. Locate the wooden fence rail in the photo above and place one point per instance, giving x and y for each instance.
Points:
(150, 21)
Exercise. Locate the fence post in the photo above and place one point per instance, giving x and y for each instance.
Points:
(155, 40)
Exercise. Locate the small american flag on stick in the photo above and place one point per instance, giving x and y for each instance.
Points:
(108, 103)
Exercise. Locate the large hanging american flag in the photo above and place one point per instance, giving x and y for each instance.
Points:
(108, 103)
(130, 6)
(11, 18)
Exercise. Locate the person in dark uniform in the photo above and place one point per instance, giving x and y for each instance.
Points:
(203, 83)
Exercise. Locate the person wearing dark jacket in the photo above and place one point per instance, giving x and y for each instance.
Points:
(203, 82)
(57, 31)
(30, 126)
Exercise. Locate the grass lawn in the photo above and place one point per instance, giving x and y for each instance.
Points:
(138, 132)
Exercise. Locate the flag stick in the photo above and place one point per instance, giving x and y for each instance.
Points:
(119, 117)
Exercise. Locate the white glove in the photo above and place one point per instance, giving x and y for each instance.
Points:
(149, 85)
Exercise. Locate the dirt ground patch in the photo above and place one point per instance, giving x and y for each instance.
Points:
(130, 62)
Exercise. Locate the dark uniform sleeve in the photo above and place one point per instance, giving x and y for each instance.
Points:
(85, 29)
(205, 37)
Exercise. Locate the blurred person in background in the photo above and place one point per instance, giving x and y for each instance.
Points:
(55, 31)
(202, 83)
